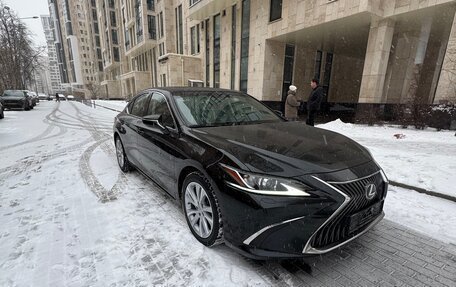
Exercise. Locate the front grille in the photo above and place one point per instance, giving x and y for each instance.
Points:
(337, 230)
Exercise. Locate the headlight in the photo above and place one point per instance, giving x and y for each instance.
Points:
(262, 184)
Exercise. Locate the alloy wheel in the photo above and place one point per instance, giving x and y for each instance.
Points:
(120, 153)
(198, 210)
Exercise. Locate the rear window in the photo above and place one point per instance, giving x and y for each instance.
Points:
(13, 93)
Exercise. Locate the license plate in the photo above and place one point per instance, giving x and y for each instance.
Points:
(364, 216)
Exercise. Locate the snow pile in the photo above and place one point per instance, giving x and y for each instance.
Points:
(422, 158)
(116, 105)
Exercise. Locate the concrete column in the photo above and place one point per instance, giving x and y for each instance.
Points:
(376, 61)
(446, 88)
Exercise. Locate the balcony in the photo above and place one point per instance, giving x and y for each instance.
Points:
(141, 47)
(203, 9)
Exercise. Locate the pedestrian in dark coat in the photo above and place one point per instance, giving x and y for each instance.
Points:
(57, 98)
(292, 104)
(314, 102)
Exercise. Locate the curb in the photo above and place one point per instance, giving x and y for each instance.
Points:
(422, 190)
(107, 108)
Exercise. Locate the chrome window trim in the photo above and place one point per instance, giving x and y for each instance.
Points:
(169, 108)
(308, 249)
(259, 232)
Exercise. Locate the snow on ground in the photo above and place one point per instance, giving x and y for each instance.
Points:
(69, 217)
(423, 158)
(427, 214)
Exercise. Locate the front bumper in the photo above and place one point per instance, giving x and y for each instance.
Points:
(13, 104)
(262, 226)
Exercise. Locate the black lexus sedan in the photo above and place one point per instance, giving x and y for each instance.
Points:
(247, 177)
(17, 99)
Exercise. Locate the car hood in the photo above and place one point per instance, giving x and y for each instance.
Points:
(284, 148)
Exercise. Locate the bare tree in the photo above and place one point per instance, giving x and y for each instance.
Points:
(18, 57)
(94, 89)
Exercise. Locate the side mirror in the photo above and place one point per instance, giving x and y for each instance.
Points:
(155, 120)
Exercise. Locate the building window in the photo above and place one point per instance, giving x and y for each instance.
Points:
(151, 5)
(216, 79)
(114, 37)
(195, 39)
(161, 48)
(127, 39)
(179, 31)
(111, 4)
(163, 80)
(233, 45)
(97, 30)
(116, 54)
(207, 47)
(113, 19)
(152, 27)
(245, 33)
(318, 58)
(193, 2)
(160, 25)
(139, 24)
(97, 40)
(275, 11)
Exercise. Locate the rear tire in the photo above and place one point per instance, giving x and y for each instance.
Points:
(201, 209)
(2, 115)
(122, 159)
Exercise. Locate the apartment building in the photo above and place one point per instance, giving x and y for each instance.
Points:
(362, 51)
(52, 77)
(76, 44)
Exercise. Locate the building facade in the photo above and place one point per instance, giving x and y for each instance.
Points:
(76, 45)
(362, 51)
(53, 80)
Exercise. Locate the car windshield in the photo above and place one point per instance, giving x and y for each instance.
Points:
(204, 109)
(10, 93)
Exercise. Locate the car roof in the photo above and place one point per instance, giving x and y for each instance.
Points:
(192, 89)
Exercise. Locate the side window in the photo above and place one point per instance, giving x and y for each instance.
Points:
(159, 106)
(140, 106)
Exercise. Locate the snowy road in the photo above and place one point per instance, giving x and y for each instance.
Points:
(69, 217)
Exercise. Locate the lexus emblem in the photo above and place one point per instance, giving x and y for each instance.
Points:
(371, 191)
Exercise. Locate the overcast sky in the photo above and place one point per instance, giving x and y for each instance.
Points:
(29, 8)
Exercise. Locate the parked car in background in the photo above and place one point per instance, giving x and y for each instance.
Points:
(42, 97)
(244, 175)
(62, 97)
(2, 114)
(70, 97)
(34, 96)
(17, 99)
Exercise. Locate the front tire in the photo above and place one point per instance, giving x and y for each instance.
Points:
(2, 115)
(122, 159)
(201, 209)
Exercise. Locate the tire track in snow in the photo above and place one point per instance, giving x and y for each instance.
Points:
(87, 174)
(46, 132)
(91, 179)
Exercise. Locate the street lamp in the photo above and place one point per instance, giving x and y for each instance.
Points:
(33, 17)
